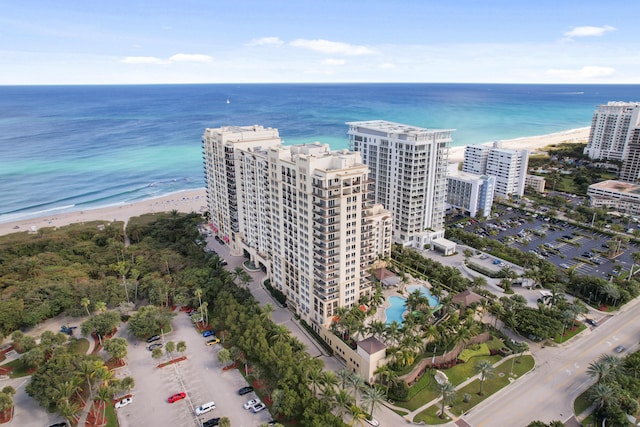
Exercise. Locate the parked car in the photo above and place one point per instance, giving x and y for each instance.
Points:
(591, 322)
(245, 390)
(153, 338)
(156, 345)
(257, 408)
(176, 397)
(123, 402)
(214, 340)
(251, 403)
(372, 421)
(208, 333)
(205, 407)
(63, 424)
(211, 423)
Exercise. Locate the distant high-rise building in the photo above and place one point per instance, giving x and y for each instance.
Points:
(409, 171)
(470, 192)
(509, 167)
(611, 128)
(302, 213)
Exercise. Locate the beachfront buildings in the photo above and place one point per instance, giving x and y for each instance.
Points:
(302, 213)
(409, 169)
(470, 192)
(611, 128)
(509, 167)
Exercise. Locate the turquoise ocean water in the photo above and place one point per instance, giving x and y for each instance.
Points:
(78, 147)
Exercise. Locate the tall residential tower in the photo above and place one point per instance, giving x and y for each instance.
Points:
(409, 170)
(301, 212)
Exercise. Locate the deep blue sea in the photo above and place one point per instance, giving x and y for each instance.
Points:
(79, 147)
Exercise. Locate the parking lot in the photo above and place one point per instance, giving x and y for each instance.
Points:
(563, 244)
(200, 376)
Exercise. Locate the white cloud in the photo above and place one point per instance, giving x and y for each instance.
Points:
(265, 41)
(332, 61)
(387, 66)
(332, 48)
(143, 60)
(191, 57)
(588, 31)
(178, 57)
(589, 72)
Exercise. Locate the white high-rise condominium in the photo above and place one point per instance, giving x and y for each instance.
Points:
(612, 126)
(409, 170)
(509, 167)
(300, 212)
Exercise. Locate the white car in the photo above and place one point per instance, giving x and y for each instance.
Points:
(251, 403)
(257, 408)
(372, 421)
(124, 402)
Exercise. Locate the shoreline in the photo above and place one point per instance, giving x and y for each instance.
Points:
(196, 200)
(530, 143)
(182, 201)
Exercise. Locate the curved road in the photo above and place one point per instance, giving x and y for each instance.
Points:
(547, 393)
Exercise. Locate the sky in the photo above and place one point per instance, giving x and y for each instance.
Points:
(325, 41)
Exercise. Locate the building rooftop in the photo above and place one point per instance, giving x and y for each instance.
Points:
(617, 186)
(395, 128)
(371, 345)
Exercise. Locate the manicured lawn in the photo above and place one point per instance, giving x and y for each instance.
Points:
(79, 346)
(19, 369)
(430, 416)
(112, 419)
(491, 385)
(427, 384)
(581, 403)
(570, 333)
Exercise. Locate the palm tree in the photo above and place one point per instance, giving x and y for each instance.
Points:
(315, 378)
(181, 346)
(486, 370)
(69, 411)
(357, 414)
(198, 293)
(371, 397)
(279, 333)
(343, 375)
(602, 396)
(599, 370)
(205, 308)
(356, 381)
(377, 329)
(104, 396)
(343, 401)
(85, 302)
(448, 395)
(616, 364)
(88, 371)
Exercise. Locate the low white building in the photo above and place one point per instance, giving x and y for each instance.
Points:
(470, 192)
(619, 195)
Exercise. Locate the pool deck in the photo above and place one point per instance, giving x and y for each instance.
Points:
(399, 291)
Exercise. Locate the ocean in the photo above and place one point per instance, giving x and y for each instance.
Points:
(65, 148)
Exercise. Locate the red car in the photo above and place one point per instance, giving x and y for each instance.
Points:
(177, 396)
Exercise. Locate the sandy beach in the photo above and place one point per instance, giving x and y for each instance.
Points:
(196, 200)
(531, 143)
(185, 201)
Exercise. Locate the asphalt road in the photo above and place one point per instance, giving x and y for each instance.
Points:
(547, 393)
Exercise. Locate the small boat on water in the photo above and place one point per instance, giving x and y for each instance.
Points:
(228, 102)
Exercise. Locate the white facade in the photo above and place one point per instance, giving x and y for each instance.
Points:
(302, 212)
(621, 196)
(509, 167)
(611, 128)
(470, 192)
(409, 169)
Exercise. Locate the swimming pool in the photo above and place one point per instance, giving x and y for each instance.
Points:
(397, 308)
(433, 301)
